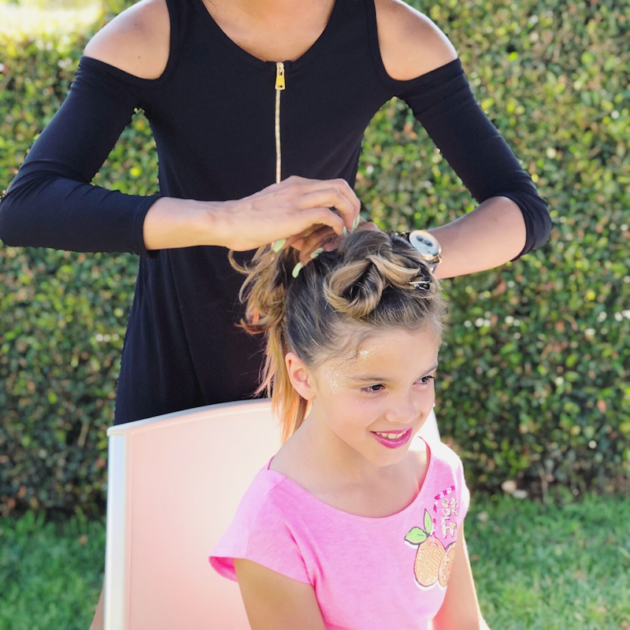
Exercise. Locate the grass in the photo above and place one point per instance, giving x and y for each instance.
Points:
(50, 573)
(552, 568)
(536, 568)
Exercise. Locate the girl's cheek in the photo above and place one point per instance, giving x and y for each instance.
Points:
(334, 382)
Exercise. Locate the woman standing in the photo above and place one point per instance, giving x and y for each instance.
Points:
(258, 109)
(206, 75)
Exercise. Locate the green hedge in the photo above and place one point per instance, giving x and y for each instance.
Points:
(534, 385)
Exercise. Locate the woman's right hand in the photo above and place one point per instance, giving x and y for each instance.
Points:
(278, 212)
(296, 206)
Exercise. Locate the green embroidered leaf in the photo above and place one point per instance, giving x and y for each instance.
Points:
(428, 523)
(416, 536)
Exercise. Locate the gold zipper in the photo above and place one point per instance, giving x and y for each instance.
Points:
(280, 86)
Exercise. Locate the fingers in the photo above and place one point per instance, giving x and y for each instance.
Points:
(323, 239)
(367, 225)
(290, 211)
(335, 200)
(297, 241)
(320, 237)
(309, 240)
(333, 193)
(320, 216)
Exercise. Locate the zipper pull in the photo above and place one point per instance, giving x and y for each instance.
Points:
(280, 84)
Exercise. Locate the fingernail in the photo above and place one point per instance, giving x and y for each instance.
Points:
(277, 246)
(355, 223)
(296, 270)
(345, 231)
(317, 252)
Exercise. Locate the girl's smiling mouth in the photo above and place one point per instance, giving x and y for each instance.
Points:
(392, 439)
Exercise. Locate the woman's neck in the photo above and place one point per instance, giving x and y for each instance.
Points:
(272, 30)
(266, 9)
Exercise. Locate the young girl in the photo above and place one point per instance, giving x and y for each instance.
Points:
(357, 522)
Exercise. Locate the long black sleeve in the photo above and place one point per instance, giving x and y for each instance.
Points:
(51, 202)
(445, 106)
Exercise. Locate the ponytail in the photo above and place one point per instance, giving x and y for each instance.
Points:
(264, 293)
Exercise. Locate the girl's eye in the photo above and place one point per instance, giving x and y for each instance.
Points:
(372, 389)
(425, 380)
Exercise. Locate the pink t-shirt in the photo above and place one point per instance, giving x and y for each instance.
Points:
(368, 573)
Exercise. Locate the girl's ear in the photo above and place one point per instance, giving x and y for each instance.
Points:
(300, 376)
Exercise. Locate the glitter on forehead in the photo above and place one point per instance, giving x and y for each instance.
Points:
(375, 358)
(352, 342)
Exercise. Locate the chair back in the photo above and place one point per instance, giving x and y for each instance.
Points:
(174, 484)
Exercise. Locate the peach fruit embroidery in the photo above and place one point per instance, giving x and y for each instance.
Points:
(433, 561)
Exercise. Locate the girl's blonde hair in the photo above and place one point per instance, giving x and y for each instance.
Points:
(373, 281)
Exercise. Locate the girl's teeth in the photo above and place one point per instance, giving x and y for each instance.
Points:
(389, 436)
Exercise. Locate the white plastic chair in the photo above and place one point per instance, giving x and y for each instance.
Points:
(175, 482)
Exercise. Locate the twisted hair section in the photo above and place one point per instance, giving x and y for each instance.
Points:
(372, 282)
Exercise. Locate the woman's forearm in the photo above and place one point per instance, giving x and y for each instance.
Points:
(273, 214)
(489, 236)
(171, 223)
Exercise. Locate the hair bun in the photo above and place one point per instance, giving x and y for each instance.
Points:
(356, 288)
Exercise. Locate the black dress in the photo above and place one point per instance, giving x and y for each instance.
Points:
(212, 114)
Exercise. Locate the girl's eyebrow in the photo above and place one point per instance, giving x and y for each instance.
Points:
(370, 378)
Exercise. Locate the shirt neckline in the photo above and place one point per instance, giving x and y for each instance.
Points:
(349, 515)
(261, 63)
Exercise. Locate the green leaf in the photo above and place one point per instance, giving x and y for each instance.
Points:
(428, 523)
(416, 536)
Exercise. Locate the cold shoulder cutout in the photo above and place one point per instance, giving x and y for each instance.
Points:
(410, 44)
(138, 41)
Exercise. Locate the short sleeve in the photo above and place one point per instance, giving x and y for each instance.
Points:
(264, 537)
(462, 488)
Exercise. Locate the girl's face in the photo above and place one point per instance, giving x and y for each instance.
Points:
(371, 405)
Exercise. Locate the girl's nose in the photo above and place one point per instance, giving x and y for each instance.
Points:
(404, 412)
